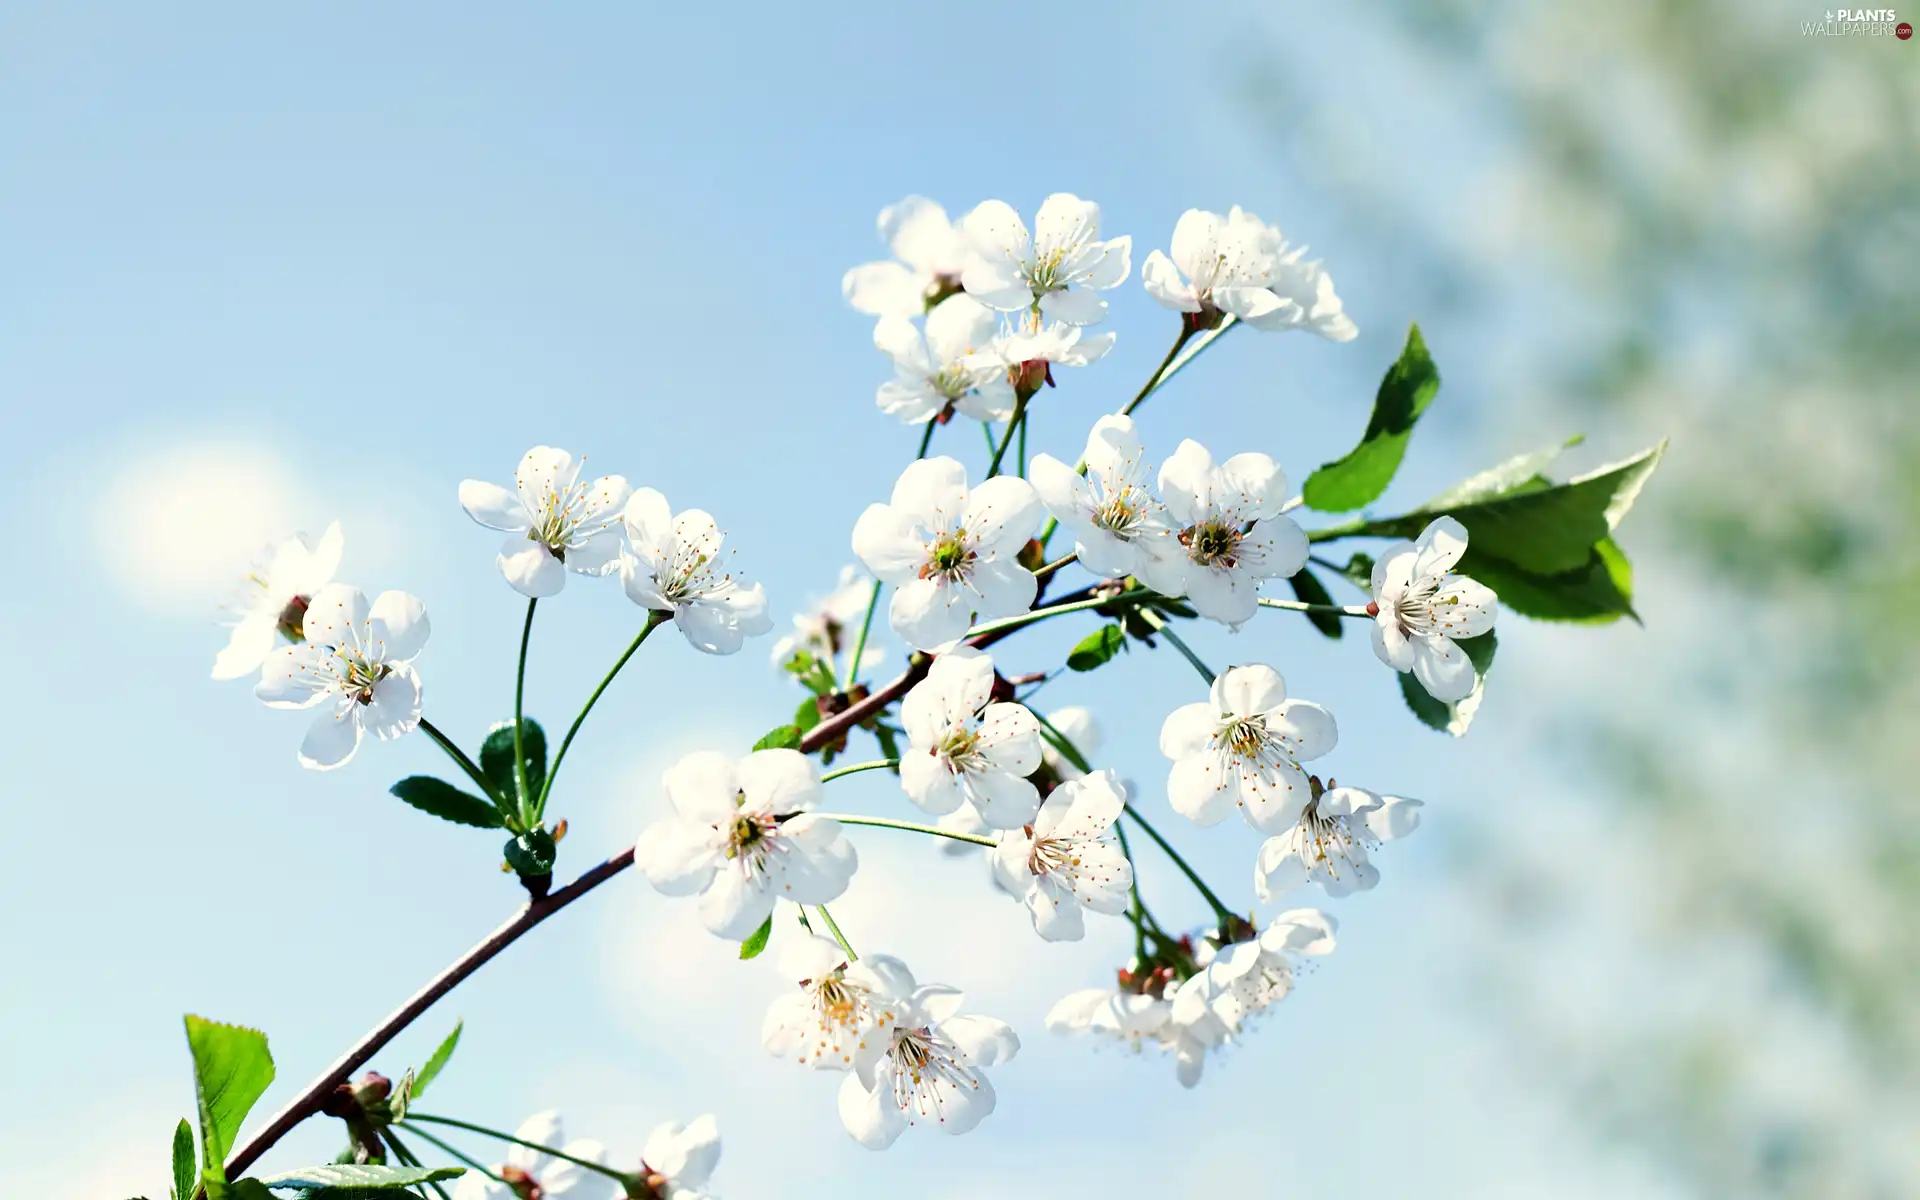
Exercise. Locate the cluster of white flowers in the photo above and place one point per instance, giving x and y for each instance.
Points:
(973, 315)
(675, 1164)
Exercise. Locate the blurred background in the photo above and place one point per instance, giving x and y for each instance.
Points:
(268, 268)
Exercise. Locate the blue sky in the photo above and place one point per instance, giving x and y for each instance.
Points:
(265, 268)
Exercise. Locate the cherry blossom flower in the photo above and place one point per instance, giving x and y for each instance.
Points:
(742, 838)
(535, 1172)
(677, 1160)
(556, 523)
(1229, 534)
(1245, 978)
(826, 629)
(1239, 264)
(929, 253)
(1135, 1021)
(945, 366)
(355, 666)
(949, 552)
(964, 746)
(1330, 844)
(274, 604)
(927, 1066)
(1026, 351)
(837, 1005)
(1243, 747)
(1119, 525)
(1422, 608)
(673, 564)
(1069, 858)
(1056, 270)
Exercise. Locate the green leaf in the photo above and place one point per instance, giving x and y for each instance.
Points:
(1097, 648)
(185, 1178)
(1435, 714)
(1598, 592)
(1308, 589)
(756, 942)
(532, 853)
(1358, 479)
(358, 1175)
(1548, 530)
(496, 756)
(1524, 472)
(449, 803)
(806, 715)
(402, 1098)
(231, 1067)
(246, 1189)
(1456, 717)
(780, 737)
(438, 1059)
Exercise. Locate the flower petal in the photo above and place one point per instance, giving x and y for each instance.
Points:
(333, 736)
(493, 506)
(1000, 515)
(677, 857)
(399, 627)
(530, 568)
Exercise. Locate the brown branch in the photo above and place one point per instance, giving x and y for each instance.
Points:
(308, 1102)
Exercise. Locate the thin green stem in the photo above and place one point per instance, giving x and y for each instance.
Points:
(1165, 630)
(654, 621)
(1013, 425)
(1021, 453)
(466, 764)
(1338, 610)
(852, 675)
(837, 935)
(1136, 908)
(1056, 565)
(875, 765)
(410, 1159)
(451, 1151)
(1153, 381)
(470, 1127)
(1041, 614)
(926, 439)
(519, 721)
(910, 827)
(1219, 909)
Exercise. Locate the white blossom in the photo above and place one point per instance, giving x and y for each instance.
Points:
(1057, 270)
(1422, 607)
(950, 553)
(929, 253)
(1119, 525)
(836, 1007)
(1229, 534)
(275, 600)
(355, 666)
(1069, 857)
(673, 564)
(1239, 264)
(556, 523)
(826, 629)
(1243, 979)
(1028, 354)
(1242, 747)
(1330, 844)
(927, 1066)
(677, 1160)
(963, 746)
(1137, 1020)
(948, 364)
(743, 837)
(554, 1178)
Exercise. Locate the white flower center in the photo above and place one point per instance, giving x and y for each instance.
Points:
(557, 520)
(1121, 513)
(1414, 609)
(751, 839)
(949, 558)
(1053, 856)
(924, 1064)
(691, 573)
(1214, 543)
(1327, 841)
(961, 749)
(841, 1011)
